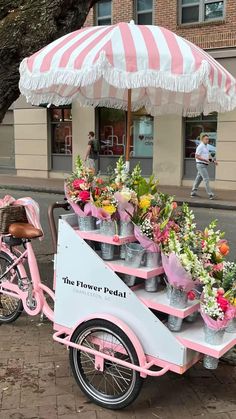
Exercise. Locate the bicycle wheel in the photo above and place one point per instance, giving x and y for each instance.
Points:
(10, 307)
(116, 386)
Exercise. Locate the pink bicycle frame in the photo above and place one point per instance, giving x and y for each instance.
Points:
(38, 289)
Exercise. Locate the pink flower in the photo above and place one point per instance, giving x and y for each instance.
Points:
(218, 267)
(77, 183)
(223, 303)
(84, 196)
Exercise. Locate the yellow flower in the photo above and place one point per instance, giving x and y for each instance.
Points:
(110, 209)
(145, 202)
(235, 302)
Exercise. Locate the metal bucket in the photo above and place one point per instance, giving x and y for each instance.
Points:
(129, 280)
(126, 229)
(108, 228)
(133, 257)
(231, 328)
(151, 284)
(178, 299)
(174, 323)
(214, 337)
(153, 260)
(87, 223)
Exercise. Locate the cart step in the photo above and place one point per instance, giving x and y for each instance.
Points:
(193, 338)
(160, 302)
(143, 272)
(96, 236)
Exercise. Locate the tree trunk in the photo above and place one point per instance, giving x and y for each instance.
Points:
(27, 26)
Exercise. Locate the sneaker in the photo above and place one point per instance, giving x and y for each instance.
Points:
(212, 196)
(193, 194)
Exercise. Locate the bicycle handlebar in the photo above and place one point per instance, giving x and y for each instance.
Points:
(51, 219)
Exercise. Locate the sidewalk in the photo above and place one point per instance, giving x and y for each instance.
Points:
(224, 199)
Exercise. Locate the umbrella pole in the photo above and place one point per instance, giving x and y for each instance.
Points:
(128, 139)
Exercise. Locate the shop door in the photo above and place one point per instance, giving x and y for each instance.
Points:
(111, 128)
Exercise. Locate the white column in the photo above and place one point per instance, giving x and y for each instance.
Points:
(226, 151)
(168, 149)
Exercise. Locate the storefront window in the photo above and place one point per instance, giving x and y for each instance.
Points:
(61, 130)
(193, 129)
(112, 133)
(103, 12)
(144, 11)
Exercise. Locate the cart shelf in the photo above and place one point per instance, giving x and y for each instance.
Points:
(193, 338)
(96, 236)
(143, 272)
(160, 302)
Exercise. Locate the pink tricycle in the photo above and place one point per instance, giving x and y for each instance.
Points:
(116, 335)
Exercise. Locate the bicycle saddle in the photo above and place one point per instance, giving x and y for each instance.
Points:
(24, 231)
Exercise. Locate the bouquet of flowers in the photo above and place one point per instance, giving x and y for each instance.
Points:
(78, 188)
(215, 307)
(103, 203)
(213, 250)
(153, 220)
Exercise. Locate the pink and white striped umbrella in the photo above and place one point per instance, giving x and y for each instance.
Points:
(97, 66)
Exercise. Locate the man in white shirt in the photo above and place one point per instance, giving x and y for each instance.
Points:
(203, 159)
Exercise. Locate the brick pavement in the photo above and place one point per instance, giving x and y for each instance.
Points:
(35, 382)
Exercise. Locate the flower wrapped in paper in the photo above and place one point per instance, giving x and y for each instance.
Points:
(177, 275)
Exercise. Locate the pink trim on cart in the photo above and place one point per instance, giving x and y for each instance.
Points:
(144, 371)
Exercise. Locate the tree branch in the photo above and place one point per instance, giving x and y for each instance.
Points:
(27, 26)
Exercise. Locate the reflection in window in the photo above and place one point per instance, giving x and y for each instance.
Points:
(193, 129)
(112, 133)
(103, 12)
(61, 130)
(144, 10)
(195, 11)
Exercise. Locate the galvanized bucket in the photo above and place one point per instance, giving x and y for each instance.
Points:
(153, 260)
(231, 328)
(214, 337)
(133, 258)
(178, 299)
(134, 255)
(108, 228)
(87, 223)
(126, 229)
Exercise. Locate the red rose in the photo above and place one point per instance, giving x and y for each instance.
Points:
(84, 196)
(99, 181)
(223, 303)
(77, 183)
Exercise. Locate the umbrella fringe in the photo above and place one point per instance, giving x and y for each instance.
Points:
(217, 99)
(116, 77)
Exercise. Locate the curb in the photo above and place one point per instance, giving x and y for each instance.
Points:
(32, 189)
(191, 203)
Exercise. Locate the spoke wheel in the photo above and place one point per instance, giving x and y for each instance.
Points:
(10, 307)
(116, 386)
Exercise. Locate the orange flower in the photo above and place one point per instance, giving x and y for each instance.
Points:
(174, 205)
(224, 249)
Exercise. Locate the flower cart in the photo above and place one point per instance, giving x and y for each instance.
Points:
(114, 332)
(119, 332)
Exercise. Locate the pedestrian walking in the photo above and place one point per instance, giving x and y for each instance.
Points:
(203, 159)
(92, 151)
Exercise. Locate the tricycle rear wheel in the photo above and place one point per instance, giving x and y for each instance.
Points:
(116, 386)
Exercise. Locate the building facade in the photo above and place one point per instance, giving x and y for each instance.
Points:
(43, 142)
